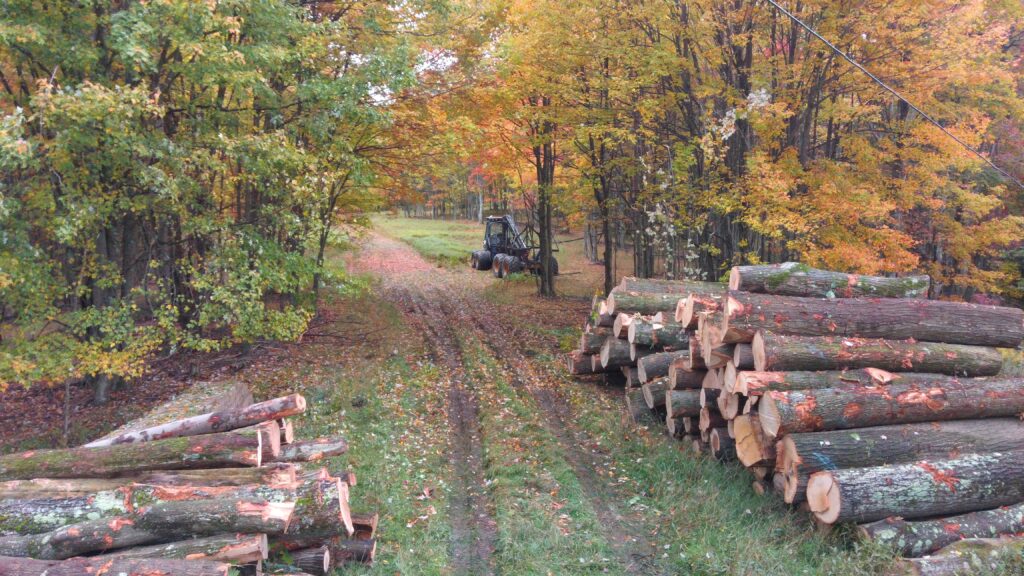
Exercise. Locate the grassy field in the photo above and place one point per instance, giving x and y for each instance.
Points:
(446, 242)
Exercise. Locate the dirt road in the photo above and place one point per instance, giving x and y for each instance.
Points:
(448, 307)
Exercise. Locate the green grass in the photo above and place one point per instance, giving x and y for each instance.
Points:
(545, 525)
(443, 241)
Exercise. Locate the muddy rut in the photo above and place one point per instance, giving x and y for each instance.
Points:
(437, 302)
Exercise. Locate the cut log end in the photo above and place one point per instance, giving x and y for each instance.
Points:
(757, 347)
(823, 497)
(768, 413)
(734, 278)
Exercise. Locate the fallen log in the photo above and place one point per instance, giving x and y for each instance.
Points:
(752, 448)
(615, 353)
(971, 556)
(312, 450)
(912, 539)
(656, 365)
(591, 343)
(801, 455)
(224, 449)
(689, 309)
(751, 383)
(723, 447)
(654, 394)
(680, 375)
(918, 490)
(942, 398)
(652, 302)
(113, 566)
(636, 407)
(795, 279)
(632, 283)
(890, 319)
(233, 548)
(682, 403)
(212, 422)
(151, 524)
(315, 561)
(668, 336)
(776, 352)
(580, 363)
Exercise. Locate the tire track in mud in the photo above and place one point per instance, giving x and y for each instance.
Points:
(628, 539)
(473, 529)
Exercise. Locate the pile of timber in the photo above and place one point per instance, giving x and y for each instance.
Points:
(852, 397)
(226, 491)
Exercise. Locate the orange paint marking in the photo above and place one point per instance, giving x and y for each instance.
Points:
(852, 410)
(940, 477)
(119, 522)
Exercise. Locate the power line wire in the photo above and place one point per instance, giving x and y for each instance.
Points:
(892, 91)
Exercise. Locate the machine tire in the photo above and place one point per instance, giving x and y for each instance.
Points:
(515, 264)
(498, 267)
(483, 260)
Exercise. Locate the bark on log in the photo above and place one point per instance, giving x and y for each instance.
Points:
(795, 279)
(287, 431)
(912, 539)
(652, 302)
(680, 375)
(688, 310)
(365, 524)
(632, 377)
(615, 353)
(968, 557)
(801, 455)
(270, 439)
(112, 566)
(918, 490)
(682, 403)
(591, 343)
(656, 365)
(212, 422)
(710, 419)
(752, 448)
(752, 383)
(891, 319)
(315, 561)
(669, 336)
(274, 475)
(776, 352)
(638, 352)
(695, 361)
(580, 363)
(942, 398)
(654, 394)
(312, 450)
(233, 548)
(723, 447)
(632, 283)
(208, 451)
(709, 397)
(603, 317)
(743, 356)
(160, 522)
(637, 411)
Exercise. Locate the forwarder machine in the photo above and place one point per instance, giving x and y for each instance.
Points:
(506, 250)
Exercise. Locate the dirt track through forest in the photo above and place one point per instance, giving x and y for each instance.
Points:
(438, 302)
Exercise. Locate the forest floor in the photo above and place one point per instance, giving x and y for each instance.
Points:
(480, 453)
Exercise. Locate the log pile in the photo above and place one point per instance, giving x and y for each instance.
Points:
(854, 398)
(228, 490)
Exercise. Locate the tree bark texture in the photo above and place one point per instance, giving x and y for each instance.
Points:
(795, 279)
(112, 566)
(656, 365)
(912, 539)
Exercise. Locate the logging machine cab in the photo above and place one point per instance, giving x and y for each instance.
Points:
(505, 249)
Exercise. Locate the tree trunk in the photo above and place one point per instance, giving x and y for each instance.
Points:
(911, 539)
(670, 336)
(752, 383)
(794, 279)
(315, 561)
(118, 567)
(657, 365)
(688, 309)
(233, 548)
(944, 398)
(212, 422)
(723, 447)
(273, 475)
(926, 320)
(801, 455)
(312, 450)
(774, 352)
(321, 509)
(969, 556)
(927, 488)
(654, 394)
(752, 448)
(683, 403)
(680, 375)
(652, 302)
(615, 353)
(160, 522)
(209, 451)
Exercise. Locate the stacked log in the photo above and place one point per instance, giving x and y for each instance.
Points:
(227, 489)
(854, 397)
